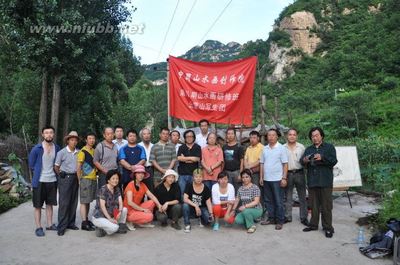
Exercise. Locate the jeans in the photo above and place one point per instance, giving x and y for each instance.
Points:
(248, 216)
(183, 181)
(190, 212)
(174, 212)
(209, 183)
(273, 197)
(298, 180)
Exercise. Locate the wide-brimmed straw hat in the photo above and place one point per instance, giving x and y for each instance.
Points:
(71, 134)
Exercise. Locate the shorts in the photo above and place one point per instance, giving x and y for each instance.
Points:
(45, 192)
(88, 190)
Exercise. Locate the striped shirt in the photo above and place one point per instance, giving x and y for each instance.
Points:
(163, 154)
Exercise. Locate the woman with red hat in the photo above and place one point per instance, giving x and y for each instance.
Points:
(139, 213)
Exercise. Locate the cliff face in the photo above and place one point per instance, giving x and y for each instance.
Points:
(298, 26)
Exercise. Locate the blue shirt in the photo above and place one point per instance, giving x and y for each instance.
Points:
(132, 155)
(35, 162)
(272, 160)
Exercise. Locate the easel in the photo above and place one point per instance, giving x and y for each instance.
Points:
(346, 189)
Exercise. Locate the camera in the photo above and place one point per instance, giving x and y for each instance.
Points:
(311, 157)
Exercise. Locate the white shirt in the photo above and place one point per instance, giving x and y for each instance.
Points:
(119, 144)
(147, 150)
(217, 196)
(201, 140)
(294, 156)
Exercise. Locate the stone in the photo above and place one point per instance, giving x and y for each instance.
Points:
(6, 181)
(6, 188)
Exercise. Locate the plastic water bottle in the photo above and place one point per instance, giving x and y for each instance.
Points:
(361, 237)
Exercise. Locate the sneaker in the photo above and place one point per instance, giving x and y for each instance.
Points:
(39, 232)
(187, 229)
(176, 226)
(252, 229)
(53, 227)
(148, 225)
(130, 226)
(200, 224)
(122, 229)
(216, 227)
(91, 224)
(85, 226)
(100, 232)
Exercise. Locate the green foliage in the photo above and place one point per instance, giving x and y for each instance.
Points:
(280, 37)
(7, 202)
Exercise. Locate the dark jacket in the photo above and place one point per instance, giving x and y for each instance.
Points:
(320, 173)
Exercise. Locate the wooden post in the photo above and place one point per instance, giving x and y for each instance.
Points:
(262, 131)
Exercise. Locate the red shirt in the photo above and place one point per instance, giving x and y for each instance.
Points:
(137, 195)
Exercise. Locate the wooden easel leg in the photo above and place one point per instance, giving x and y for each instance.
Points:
(348, 197)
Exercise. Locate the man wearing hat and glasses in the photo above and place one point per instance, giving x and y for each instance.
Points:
(66, 166)
(168, 194)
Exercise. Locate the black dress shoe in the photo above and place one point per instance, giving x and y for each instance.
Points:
(309, 228)
(61, 232)
(305, 222)
(73, 227)
(329, 233)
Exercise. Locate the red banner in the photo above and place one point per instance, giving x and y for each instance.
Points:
(219, 92)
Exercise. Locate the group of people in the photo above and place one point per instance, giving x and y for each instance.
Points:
(197, 178)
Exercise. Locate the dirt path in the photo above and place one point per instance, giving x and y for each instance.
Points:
(19, 245)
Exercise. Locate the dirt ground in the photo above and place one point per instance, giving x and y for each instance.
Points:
(230, 245)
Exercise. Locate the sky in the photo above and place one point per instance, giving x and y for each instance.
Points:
(242, 21)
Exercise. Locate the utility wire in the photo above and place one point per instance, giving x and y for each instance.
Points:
(166, 33)
(183, 26)
(215, 21)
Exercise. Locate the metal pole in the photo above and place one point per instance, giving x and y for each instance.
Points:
(168, 98)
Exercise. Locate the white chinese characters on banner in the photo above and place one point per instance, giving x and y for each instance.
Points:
(222, 80)
(212, 95)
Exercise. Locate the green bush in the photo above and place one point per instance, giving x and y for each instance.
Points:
(7, 202)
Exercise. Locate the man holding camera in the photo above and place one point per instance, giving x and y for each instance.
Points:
(319, 160)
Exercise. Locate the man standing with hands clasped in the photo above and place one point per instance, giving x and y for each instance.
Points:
(319, 160)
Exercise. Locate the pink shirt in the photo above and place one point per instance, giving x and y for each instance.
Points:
(211, 155)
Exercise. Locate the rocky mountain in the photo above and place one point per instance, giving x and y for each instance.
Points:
(210, 51)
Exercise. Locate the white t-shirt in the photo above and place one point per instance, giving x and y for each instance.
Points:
(120, 144)
(201, 140)
(217, 196)
(147, 150)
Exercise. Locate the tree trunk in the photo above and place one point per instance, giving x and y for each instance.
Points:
(55, 103)
(43, 104)
(66, 121)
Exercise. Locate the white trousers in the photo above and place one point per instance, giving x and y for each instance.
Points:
(108, 226)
